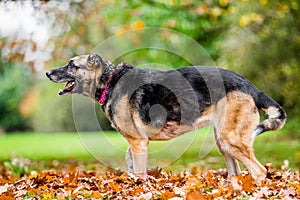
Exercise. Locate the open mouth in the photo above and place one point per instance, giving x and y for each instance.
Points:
(67, 89)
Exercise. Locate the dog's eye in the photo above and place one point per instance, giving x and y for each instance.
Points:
(72, 65)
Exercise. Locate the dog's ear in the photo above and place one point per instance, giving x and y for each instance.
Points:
(94, 61)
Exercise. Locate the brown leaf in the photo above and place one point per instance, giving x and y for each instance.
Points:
(114, 186)
(97, 195)
(77, 183)
(196, 195)
(168, 194)
(248, 183)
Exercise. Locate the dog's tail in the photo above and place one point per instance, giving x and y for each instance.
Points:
(276, 116)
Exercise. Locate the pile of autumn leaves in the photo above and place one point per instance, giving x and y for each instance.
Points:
(78, 183)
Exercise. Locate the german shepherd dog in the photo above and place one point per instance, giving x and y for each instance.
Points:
(150, 104)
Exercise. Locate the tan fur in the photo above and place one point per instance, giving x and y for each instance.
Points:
(88, 74)
(80, 60)
(173, 129)
(170, 130)
(126, 123)
(233, 137)
(234, 118)
(123, 120)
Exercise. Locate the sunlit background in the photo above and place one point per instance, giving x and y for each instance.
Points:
(258, 39)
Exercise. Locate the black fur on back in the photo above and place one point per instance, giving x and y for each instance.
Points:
(179, 95)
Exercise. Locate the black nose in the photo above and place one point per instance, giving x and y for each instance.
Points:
(48, 73)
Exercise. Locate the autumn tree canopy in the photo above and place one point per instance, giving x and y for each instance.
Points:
(258, 39)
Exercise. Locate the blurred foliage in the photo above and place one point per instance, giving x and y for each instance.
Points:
(263, 44)
(258, 39)
(14, 84)
(53, 114)
(200, 20)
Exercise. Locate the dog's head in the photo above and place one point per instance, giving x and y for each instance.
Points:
(82, 75)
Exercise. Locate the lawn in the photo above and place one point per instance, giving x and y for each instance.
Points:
(195, 149)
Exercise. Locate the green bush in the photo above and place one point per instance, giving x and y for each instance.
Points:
(14, 84)
(263, 44)
(55, 113)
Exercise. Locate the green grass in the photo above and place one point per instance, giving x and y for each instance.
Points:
(41, 146)
(195, 149)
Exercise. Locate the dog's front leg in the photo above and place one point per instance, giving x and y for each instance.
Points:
(138, 155)
(129, 160)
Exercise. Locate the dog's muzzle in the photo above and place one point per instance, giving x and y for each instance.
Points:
(68, 89)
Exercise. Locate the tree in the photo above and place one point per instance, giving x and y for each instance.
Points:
(263, 44)
(259, 39)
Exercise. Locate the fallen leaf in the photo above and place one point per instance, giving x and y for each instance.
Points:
(76, 183)
(4, 188)
(235, 183)
(248, 184)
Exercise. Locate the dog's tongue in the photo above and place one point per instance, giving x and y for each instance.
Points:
(67, 89)
(69, 84)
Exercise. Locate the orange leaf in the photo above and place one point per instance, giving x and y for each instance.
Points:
(167, 194)
(196, 195)
(248, 184)
(97, 195)
(114, 186)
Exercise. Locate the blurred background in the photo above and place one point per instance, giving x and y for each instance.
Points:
(258, 39)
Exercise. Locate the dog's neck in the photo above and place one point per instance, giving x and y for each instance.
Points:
(109, 78)
(104, 82)
(104, 92)
(107, 72)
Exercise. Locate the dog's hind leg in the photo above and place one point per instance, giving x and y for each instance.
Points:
(219, 117)
(243, 151)
(241, 118)
(232, 164)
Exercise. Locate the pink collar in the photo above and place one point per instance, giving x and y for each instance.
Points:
(103, 95)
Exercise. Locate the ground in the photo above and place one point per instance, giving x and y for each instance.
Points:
(78, 183)
(38, 166)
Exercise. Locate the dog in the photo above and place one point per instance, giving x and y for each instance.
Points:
(150, 104)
